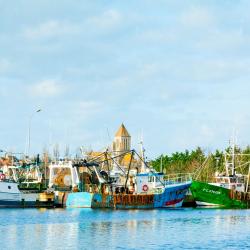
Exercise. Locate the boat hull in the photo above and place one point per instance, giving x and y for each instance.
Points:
(9, 194)
(79, 199)
(210, 195)
(172, 197)
(11, 197)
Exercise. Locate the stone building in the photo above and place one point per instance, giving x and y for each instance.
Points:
(121, 149)
(122, 141)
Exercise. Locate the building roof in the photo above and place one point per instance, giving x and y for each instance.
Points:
(122, 131)
(126, 159)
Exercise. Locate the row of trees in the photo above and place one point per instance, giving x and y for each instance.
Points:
(202, 165)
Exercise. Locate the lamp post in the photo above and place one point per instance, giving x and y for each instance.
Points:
(37, 111)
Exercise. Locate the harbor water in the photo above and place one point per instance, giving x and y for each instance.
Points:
(124, 229)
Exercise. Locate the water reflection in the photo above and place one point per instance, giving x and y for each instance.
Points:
(96, 229)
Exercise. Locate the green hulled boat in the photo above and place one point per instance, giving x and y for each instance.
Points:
(206, 194)
(228, 189)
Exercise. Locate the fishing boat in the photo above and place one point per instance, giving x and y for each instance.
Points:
(12, 196)
(85, 185)
(151, 191)
(229, 189)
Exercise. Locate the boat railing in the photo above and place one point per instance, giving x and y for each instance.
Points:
(8, 180)
(177, 178)
(31, 181)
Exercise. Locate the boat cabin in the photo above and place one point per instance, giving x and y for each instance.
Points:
(148, 182)
(8, 173)
(235, 182)
(63, 176)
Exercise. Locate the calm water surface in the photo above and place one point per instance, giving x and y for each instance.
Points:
(134, 229)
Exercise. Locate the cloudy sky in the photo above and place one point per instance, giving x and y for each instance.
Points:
(177, 72)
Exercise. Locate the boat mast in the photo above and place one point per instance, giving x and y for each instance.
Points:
(142, 157)
(161, 164)
(230, 158)
(233, 153)
(233, 158)
(247, 184)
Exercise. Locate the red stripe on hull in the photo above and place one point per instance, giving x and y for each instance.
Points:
(173, 202)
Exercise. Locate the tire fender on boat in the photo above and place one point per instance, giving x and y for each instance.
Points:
(238, 195)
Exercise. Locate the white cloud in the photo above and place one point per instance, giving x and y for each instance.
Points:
(50, 28)
(219, 70)
(223, 40)
(197, 17)
(3, 92)
(5, 65)
(149, 70)
(46, 88)
(207, 132)
(86, 108)
(157, 36)
(107, 20)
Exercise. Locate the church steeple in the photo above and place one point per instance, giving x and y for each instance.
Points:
(122, 141)
(122, 132)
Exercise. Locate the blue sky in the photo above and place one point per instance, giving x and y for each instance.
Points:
(176, 71)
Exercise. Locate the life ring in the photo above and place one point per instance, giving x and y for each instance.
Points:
(2, 177)
(145, 188)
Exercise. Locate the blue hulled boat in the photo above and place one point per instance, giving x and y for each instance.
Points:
(85, 185)
(152, 190)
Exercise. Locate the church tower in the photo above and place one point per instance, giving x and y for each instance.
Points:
(122, 141)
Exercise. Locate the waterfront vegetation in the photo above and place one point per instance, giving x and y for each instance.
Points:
(203, 166)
